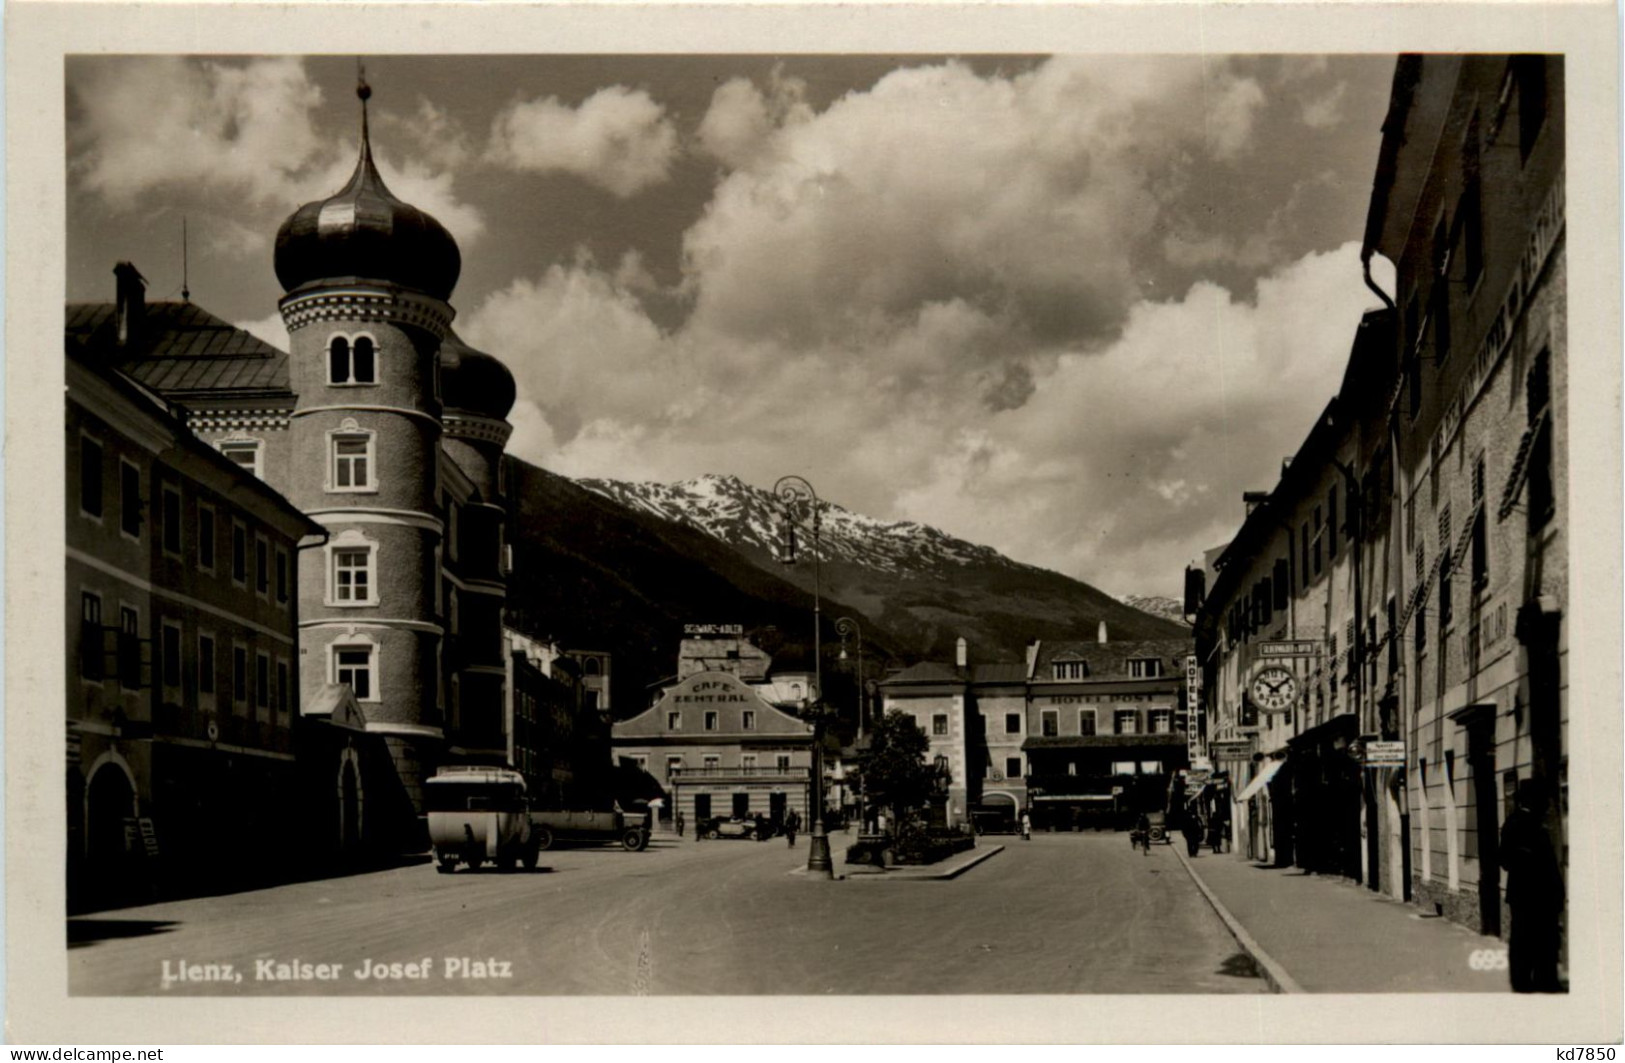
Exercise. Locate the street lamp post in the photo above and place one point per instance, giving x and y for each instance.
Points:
(793, 491)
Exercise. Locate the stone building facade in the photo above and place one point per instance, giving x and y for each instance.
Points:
(1080, 733)
(386, 429)
(720, 748)
(1436, 684)
(1469, 205)
(183, 669)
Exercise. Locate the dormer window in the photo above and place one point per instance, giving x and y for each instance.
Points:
(351, 361)
(1145, 668)
(1071, 669)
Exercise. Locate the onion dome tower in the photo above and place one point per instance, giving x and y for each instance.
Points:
(367, 279)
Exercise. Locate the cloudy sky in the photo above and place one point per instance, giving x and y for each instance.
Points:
(1070, 307)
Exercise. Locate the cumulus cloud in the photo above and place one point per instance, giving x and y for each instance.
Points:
(619, 139)
(739, 126)
(885, 204)
(236, 145)
(153, 122)
(949, 326)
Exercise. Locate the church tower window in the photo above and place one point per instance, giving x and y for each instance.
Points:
(352, 461)
(352, 567)
(353, 664)
(352, 362)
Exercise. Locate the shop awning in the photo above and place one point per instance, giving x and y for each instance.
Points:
(1265, 773)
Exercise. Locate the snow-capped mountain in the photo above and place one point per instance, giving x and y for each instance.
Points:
(748, 517)
(622, 567)
(1157, 605)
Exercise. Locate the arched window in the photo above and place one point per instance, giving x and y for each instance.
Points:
(592, 666)
(361, 361)
(352, 362)
(338, 361)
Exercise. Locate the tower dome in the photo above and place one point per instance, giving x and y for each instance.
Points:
(473, 380)
(364, 232)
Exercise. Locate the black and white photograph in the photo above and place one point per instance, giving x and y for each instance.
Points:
(796, 522)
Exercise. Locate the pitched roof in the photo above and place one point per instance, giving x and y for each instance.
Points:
(181, 348)
(1110, 659)
(926, 672)
(1013, 672)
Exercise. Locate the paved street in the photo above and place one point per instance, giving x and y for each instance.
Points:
(1064, 913)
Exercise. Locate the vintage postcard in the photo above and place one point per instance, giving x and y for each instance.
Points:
(1004, 516)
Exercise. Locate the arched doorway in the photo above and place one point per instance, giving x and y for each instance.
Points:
(109, 811)
(999, 812)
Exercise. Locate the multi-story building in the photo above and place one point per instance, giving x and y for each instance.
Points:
(1430, 682)
(558, 738)
(386, 429)
(1469, 205)
(1081, 732)
(182, 622)
(720, 748)
(722, 736)
(1299, 592)
(1107, 728)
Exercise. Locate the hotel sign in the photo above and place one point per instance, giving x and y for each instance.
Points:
(1290, 648)
(713, 631)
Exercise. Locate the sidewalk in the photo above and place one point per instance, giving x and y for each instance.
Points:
(1320, 934)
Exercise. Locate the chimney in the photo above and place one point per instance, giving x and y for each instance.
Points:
(960, 653)
(130, 300)
(1253, 499)
(1195, 590)
(1102, 636)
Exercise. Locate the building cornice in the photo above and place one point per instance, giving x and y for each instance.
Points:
(365, 303)
(404, 411)
(462, 425)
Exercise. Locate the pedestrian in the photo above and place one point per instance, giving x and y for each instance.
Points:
(1026, 827)
(1221, 819)
(1142, 833)
(791, 822)
(1192, 829)
(1534, 892)
(679, 823)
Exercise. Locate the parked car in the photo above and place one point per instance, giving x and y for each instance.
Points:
(732, 828)
(552, 828)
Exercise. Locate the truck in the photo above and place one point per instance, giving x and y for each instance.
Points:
(478, 814)
(630, 829)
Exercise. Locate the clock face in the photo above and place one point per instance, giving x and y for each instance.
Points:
(1275, 689)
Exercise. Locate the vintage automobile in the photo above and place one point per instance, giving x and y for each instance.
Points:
(1158, 832)
(478, 814)
(631, 830)
(748, 829)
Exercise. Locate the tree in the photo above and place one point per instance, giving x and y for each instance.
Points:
(896, 776)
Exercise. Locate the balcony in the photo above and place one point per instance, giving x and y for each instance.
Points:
(1062, 783)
